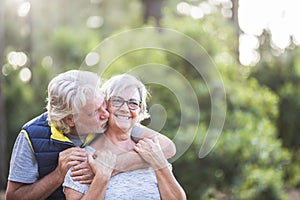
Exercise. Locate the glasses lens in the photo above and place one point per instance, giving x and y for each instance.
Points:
(117, 101)
(133, 104)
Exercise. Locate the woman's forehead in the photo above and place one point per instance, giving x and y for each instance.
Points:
(128, 92)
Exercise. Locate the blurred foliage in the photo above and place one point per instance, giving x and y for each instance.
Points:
(257, 154)
(281, 75)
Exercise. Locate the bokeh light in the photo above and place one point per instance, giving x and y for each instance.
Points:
(47, 61)
(94, 22)
(17, 58)
(196, 12)
(24, 9)
(183, 8)
(25, 74)
(92, 59)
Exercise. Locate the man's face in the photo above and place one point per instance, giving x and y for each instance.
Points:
(93, 117)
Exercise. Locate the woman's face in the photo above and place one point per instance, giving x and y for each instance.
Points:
(124, 109)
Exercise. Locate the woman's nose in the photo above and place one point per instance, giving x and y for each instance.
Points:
(124, 106)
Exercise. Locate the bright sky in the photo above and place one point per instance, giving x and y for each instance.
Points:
(279, 16)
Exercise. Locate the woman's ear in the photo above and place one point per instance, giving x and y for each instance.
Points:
(69, 120)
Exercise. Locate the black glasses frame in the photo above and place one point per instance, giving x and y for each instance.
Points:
(118, 102)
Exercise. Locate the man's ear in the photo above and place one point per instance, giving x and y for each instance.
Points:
(69, 120)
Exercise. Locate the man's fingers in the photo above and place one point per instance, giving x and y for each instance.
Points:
(86, 181)
(76, 158)
(80, 177)
(78, 152)
(80, 172)
(74, 153)
(72, 163)
(82, 165)
(73, 150)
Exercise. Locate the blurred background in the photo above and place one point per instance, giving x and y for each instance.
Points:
(254, 44)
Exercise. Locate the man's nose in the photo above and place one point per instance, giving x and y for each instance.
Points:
(104, 114)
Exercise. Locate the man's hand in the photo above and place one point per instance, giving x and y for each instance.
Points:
(82, 173)
(69, 158)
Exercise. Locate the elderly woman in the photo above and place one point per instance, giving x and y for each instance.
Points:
(126, 97)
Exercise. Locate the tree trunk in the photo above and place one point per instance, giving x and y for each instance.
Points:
(235, 21)
(153, 9)
(3, 131)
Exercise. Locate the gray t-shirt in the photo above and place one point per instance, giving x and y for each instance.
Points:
(23, 159)
(135, 184)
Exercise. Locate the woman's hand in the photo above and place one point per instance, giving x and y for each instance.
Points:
(151, 152)
(102, 163)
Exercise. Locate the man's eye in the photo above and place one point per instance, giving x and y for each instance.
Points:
(95, 112)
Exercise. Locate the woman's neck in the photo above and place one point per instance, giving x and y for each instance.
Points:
(120, 139)
(117, 134)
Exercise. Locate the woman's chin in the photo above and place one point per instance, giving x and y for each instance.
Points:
(124, 125)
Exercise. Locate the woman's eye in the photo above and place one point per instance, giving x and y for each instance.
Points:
(117, 102)
(134, 103)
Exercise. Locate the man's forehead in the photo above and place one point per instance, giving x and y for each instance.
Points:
(92, 105)
(100, 96)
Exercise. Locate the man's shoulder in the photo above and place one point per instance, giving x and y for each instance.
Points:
(41, 119)
(38, 125)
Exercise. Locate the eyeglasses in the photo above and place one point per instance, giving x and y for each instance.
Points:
(118, 102)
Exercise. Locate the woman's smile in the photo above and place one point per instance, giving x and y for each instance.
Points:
(122, 117)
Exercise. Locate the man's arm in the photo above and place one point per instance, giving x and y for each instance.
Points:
(48, 184)
(129, 161)
(38, 190)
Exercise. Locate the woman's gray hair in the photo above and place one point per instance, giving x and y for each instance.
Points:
(118, 83)
(68, 93)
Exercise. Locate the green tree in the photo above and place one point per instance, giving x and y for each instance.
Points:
(3, 131)
(280, 72)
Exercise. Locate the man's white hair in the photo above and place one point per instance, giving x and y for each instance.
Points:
(68, 93)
